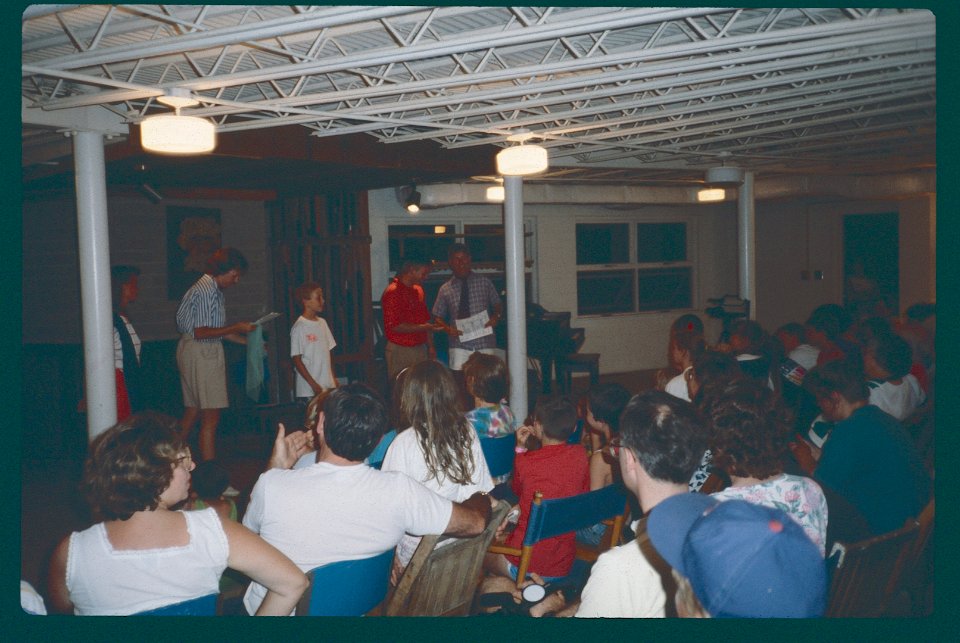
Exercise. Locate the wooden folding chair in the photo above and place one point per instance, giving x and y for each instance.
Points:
(864, 573)
(348, 587)
(442, 580)
(556, 516)
(202, 606)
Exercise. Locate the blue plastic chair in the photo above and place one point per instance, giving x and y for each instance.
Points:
(557, 516)
(375, 459)
(202, 606)
(348, 587)
(499, 452)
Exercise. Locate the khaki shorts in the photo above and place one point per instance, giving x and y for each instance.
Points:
(401, 357)
(203, 375)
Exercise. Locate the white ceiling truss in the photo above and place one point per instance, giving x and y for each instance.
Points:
(667, 90)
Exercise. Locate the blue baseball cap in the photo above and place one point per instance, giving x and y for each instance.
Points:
(742, 560)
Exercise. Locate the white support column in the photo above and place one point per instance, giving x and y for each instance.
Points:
(95, 300)
(746, 224)
(516, 296)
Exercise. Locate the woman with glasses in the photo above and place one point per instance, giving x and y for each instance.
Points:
(145, 554)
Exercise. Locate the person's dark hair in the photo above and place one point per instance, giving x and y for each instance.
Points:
(892, 353)
(921, 311)
(688, 322)
(130, 464)
(794, 329)
(712, 366)
(210, 479)
(557, 416)
(486, 377)
(871, 327)
(664, 434)
(354, 420)
(838, 376)
(690, 341)
(750, 331)
(431, 404)
(750, 432)
(302, 292)
(830, 319)
(119, 276)
(606, 402)
(458, 247)
(409, 264)
(226, 259)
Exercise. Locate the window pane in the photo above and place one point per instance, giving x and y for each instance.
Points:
(602, 243)
(485, 242)
(657, 242)
(664, 288)
(604, 291)
(421, 241)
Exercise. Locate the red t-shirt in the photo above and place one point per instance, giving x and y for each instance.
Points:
(404, 305)
(557, 471)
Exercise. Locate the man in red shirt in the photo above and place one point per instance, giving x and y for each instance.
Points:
(406, 320)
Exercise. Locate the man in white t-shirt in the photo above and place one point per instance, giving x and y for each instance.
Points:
(339, 508)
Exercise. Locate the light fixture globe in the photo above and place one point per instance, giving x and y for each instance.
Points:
(176, 134)
(711, 194)
(522, 160)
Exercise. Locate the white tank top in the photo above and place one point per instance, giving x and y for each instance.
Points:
(109, 582)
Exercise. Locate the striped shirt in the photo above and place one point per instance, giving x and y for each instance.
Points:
(483, 296)
(201, 306)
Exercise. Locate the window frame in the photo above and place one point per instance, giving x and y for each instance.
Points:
(636, 267)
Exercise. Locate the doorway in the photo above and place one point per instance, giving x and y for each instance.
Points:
(871, 264)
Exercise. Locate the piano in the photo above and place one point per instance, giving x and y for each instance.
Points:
(549, 337)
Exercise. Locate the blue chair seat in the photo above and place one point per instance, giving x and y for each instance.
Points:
(375, 459)
(202, 606)
(499, 453)
(348, 587)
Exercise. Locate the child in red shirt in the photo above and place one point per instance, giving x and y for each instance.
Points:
(545, 463)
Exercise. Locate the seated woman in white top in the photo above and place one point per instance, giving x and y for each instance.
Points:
(749, 439)
(145, 555)
(440, 449)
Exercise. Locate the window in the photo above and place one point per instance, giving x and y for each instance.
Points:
(424, 242)
(617, 276)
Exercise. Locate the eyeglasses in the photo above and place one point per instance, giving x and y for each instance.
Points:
(613, 448)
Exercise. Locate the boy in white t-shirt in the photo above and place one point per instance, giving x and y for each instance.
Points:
(310, 344)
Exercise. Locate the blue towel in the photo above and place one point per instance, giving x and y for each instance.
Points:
(255, 355)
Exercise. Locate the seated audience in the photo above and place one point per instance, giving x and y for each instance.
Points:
(869, 459)
(886, 361)
(339, 508)
(749, 439)
(661, 441)
(440, 450)
(824, 329)
(800, 356)
(685, 347)
(545, 463)
(145, 555)
(748, 345)
(709, 370)
(209, 481)
(737, 559)
(918, 326)
(691, 326)
(486, 378)
(605, 403)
